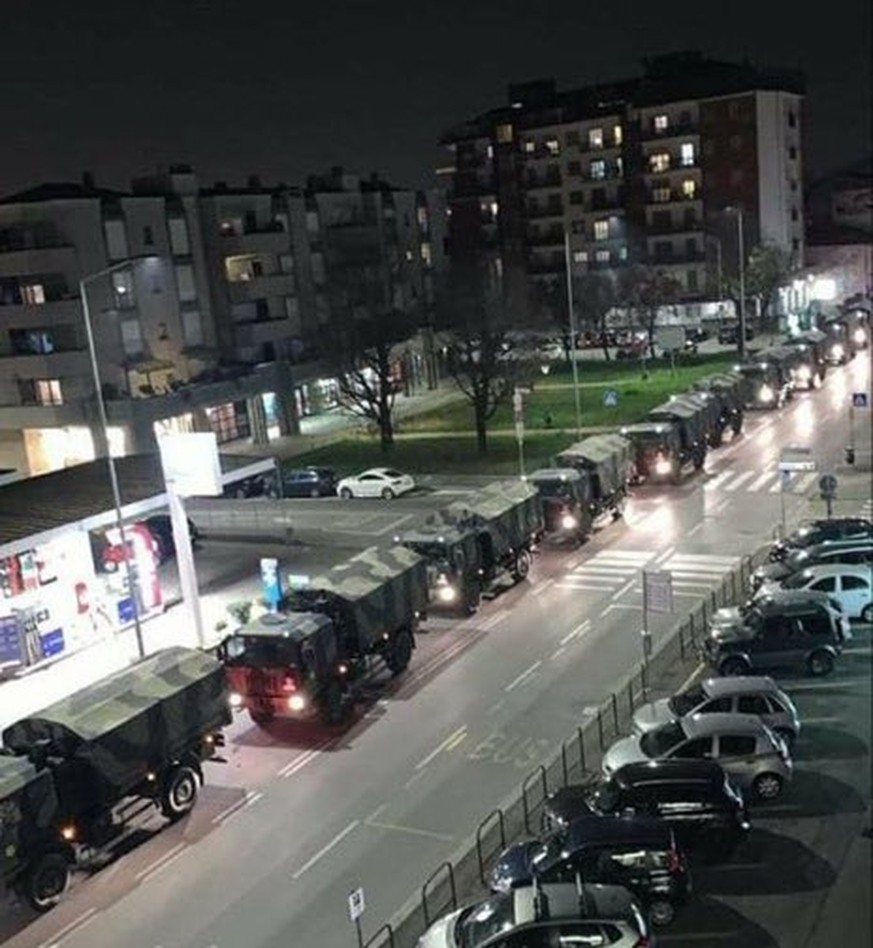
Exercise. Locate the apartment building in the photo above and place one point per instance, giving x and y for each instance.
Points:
(646, 170)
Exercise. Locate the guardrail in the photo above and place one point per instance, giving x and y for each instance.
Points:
(466, 871)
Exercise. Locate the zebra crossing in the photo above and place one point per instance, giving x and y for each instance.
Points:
(619, 572)
(736, 480)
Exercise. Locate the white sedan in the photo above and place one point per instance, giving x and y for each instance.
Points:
(382, 482)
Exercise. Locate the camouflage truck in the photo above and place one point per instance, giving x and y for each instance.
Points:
(306, 661)
(672, 436)
(472, 545)
(768, 377)
(708, 413)
(726, 391)
(567, 503)
(607, 462)
(79, 771)
(812, 364)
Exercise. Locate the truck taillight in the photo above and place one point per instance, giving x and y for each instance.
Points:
(289, 684)
(643, 942)
(674, 861)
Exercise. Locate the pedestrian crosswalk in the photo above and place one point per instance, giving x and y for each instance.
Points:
(620, 571)
(735, 480)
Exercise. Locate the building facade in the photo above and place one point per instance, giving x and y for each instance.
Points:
(642, 171)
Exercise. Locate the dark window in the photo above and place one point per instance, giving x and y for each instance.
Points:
(716, 705)
(795, 244)
(792, 152)
(792, 119)
(817, 624)
(701, 747)
(793, 184)
(827, 585)
(574, 167)
(854, 582)
(776, 705)
(576, 197)
(794, 214)
(777, 630)
(736, 745)
(148, 237)
(753, 704)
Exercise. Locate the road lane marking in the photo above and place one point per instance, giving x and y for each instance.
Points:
(494, 620)
(822, 720)
(695, 528)
(251, 796)
(760, 481)
(665, 555)
(541, 587)
(451, 741)
(579, 630)
(738, 481)
(161, 863)
(585, 587)
(624, 589)
(411, 830)
(558, 652)
(692, 677)
(340, 836)
(525, 674)
(620, 605)
(301, 760)
(78, 922)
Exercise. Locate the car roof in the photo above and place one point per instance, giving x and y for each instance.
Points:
(607, 901)
(738, 685)
(705, 725)
(652, 770)
(817, 571)
(841, 545)
(592, 830)
(786, 598)
(375, 470)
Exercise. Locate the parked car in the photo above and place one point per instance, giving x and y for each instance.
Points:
(854, 552)
(541, 916)
(741, 694)
(309, 482)
(258, 485)
(753, 756)
(784, 629)
(695, 798)
(639, 854)
(729, 334)
(382, 482)
(161, 528)
(822, 531)
(848, 585)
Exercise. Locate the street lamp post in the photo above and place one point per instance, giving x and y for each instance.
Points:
(104, 423)
(741, 255)
(572, 320)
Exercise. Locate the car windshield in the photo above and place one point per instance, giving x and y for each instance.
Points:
(430, 550)
(390, 472)
(662, 740)
(604, 799)
(686, 701)
(480, 922)
(797, 580)
(554, 487)
(261, 651)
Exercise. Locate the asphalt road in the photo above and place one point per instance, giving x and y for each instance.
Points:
(297, 818)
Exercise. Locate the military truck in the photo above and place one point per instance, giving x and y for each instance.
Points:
(842, 342)
(607, 460)
(726, 391)
(812, 364)
(673, 435)
(568, 503)
(474, 544)
(708, 411)
(307, 661)
(75, 775)
(768, 380)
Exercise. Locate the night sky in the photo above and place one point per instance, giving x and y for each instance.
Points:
(283, 88)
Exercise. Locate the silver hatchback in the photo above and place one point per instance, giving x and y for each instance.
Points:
(740, 694)
(752, 755)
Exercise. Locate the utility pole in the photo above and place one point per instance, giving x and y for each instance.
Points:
(742, 255)
(572, 322)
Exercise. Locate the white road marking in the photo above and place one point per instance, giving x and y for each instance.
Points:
(739, 481)
(579, 630)
(689, 681)
(760, 481)
(824, 720)
(719, 479)
(161, 863)
(301, 760)
(541, 587)
(624, 589)
(78, 922)
(525, 674)
(445, 745)
(620, 605)
(494, 620)
(411, 830)
(558, 652)
(805, 481)
(326, 849)
(585, 587)
(665, 555)
(695, 528)
(251, 796)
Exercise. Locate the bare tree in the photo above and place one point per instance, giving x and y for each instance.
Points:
(645, 289)
(595, 294)
(767, 268)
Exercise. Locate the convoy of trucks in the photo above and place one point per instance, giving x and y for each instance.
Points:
(75, 775)
(474, 545)
(673, 436)
(726, 391)
(307, 660)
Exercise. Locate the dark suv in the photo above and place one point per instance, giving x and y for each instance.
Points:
(695, 799)
(309, 482)
(822, 531)
(638, 854)
(782, 629)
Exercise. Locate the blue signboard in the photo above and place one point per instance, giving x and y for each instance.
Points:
(610, 398)
(859, 399)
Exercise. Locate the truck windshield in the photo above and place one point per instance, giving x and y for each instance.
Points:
(431, 550)
(262, 651)
(555, 488)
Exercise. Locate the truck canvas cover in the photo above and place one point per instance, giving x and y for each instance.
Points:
(510, 511)
(28, 804)
(706, 405)
(376, 591)
(112, 733)
(607, 456)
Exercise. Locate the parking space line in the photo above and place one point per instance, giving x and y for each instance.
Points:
(525, 674)
(326, 849)
(579, 630)
(451, 741)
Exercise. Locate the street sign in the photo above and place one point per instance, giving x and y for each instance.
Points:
(610, 398)
(859, 400)
(796, 458)
(658, 590)
(298, 581)
(356, 904)
(827, 484)
(785, 479)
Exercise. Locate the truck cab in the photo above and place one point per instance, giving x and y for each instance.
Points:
(708, 412)
(768, 382)
(454, 568)
(812, 362)
(725, 389)
(567, 503)
(841, 343)
(689, 420)
(658, 451)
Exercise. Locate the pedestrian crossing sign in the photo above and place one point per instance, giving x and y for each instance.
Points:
(859, 399)
(610, 398)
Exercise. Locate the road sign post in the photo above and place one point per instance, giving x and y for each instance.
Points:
(518, 418)
(860, 401)
(357, 905)
(657, 597)
(792, 459)
(827, 486)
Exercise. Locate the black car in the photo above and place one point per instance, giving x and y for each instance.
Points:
(310, 482)
(638, 854)
(161, 528)
(787, 628)
(822, 531)
(695, 798)
(729, 335)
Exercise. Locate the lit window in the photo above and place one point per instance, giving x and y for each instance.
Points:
(33, 294)
(494, 207)
(622, 253)
(619, 166)
(490, 151)
(660, 161)
(48, 392)
(580, 256)
(553, 146)
(504, 133)
(689, 188)
(426, 256)
(602, 256)
(595, 138)
(687, 154)
(661, 195)
(185, 282)
(530, 146)
(421, 217)
(601, 230)
(598, 170)
(242, 268)
(617, 134)
(660, 123)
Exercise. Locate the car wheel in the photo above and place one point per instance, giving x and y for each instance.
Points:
(867, 613)
(820, 664)
(767, 786)
(734, 666)
(315, 492)
(346, 493)
(387, 493)
(661, 912)
(45, 883)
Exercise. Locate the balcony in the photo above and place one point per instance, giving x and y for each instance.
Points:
(37, 316)
(676, 167)
(551, 237)
(50, 365)
(536, 182)
(261, 287)
(675, 227)
(551, 210)
(259, 331)
(20, 260)
(677, 130)
(677, 258)
(267, 240)
(43, 416)
(674, 197)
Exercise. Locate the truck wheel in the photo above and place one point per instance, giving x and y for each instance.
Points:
(399, 652)
(333, 708)
(737, 423)
(179, 793)
(715, 438)
(699, 458)
(618, 509)
(45, 883)
(521, 566)
(473, 598)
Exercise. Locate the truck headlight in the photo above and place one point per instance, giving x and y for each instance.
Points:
(804, 373)
(663, 466)
(859, 336)
(569, 522)
(837, 350)
(235, 699)
(766, 394)
(296, 703)
(446, 593)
